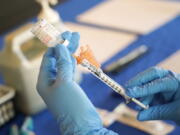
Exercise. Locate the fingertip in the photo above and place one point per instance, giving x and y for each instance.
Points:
(76, 35)
(66, 35)
(142, 116)
(132, 92)
(74, 42)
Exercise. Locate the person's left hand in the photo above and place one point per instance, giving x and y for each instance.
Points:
(160, 89)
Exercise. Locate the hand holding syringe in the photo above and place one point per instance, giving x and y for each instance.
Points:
(50, 36)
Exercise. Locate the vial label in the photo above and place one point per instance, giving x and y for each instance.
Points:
(47, 33)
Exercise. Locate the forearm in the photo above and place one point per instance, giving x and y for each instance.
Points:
(102, 131)
(90, 125)
(86, 130)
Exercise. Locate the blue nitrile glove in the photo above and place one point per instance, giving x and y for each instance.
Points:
(161, 90)
(73, 110)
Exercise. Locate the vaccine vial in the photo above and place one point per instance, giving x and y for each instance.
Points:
(48, 34)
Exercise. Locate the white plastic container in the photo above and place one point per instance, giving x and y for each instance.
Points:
(19, 64)
(6, 104)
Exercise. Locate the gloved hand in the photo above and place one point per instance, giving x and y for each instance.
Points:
(66, 100)
(161, 90)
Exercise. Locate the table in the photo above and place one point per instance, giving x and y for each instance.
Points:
(162, 43)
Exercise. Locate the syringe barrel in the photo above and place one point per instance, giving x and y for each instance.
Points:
(111, 83)
(47, 33)
(106, 79)
(114, 85)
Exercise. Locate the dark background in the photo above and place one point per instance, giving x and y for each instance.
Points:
(18, 11)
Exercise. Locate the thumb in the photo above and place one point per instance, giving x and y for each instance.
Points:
(160, 112)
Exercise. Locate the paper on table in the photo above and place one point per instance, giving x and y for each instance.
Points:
(140, 16)
(172, 63)
(104, 43)
(122, 113)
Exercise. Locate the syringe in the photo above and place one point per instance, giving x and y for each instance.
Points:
(50, 36)
(97, 72)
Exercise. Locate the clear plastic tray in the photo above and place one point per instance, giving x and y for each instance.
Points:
(6, 104)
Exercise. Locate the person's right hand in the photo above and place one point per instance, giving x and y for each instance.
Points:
(160, 89)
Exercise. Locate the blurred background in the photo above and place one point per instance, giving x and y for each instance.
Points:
(126, 36)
